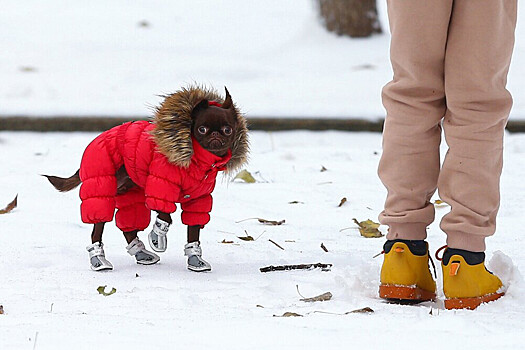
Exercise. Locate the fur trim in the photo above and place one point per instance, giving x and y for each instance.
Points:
(172, 132)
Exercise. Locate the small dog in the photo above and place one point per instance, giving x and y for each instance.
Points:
(142, 166)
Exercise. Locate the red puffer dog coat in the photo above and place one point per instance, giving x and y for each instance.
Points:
(163, 160)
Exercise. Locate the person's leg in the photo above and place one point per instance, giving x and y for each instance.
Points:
(481, 40)
(415, 104)
(409, 166)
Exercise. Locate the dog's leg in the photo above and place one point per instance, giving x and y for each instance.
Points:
(157, 237)
(97, 256)
(137, 249)
(194, 252)
(193, 233)
(164, 217)
(98, 230)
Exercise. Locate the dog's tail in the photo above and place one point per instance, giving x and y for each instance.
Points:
(65, 184)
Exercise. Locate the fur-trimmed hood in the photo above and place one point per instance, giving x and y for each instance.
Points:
(172, 132)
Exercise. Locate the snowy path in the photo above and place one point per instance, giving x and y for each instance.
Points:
(50, 296)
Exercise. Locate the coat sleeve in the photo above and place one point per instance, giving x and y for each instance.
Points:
(162, 187)
(196, 212)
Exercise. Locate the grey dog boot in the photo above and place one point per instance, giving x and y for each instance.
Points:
(97, 257)
(137, 249)
(157, 237)
(195, 261)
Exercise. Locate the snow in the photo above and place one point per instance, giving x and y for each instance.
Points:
(50, 296)
(94, 58)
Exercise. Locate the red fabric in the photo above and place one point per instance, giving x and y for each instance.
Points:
(214, 103)
(161, 184)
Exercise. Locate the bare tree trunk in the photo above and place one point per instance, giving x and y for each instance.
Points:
(355, 18)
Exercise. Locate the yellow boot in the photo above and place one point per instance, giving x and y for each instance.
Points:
(405, 275)
(466, 281)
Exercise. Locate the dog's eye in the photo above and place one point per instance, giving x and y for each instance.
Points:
(202, 130)
(226, 130)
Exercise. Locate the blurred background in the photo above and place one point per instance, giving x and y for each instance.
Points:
(278, 58)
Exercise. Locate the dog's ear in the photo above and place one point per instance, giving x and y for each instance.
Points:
(228, 103)
(199, 107)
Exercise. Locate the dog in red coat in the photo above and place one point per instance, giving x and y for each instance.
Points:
(141, 166)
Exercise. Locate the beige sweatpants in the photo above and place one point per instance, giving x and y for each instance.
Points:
(450, 60)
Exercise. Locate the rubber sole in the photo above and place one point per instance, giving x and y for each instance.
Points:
(405, 293)
(470, 303)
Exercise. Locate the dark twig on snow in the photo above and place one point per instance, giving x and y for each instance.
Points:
(324, 267)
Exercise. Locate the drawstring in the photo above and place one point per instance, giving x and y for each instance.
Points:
(437, 252)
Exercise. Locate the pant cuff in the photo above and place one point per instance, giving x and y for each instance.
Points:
(409, 231)
(465, 241)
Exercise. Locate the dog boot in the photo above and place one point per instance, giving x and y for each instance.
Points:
(195, 262)
(405, 274)
(97, 257)
(137, 249)
(157, 237)
(466, 281)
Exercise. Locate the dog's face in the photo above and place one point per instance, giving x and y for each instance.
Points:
(214, 127)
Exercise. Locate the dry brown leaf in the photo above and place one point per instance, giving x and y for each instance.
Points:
(323, 297)
(1, 309)
(271, 222)
(368, 228)
(10, 206)
(343, 201)
(323, 169)
(224, 241)
(365, 310)
(295, 202)
(289, 314)
(323, 247)
(247, 238)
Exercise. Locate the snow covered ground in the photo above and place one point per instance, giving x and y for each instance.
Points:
(50, 296)
(103, 57)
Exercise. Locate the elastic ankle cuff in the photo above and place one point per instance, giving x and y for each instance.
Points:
(409, 231)
(470, 242)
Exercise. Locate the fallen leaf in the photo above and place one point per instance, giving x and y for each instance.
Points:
(271, 222)
(143, 24)
(289, 314)
(368, 228)
(440, 203)
(323, 169)
(1, 309)
(343, 201)
(323, 297)
(262, 307)
(10, 206)
(246, 238)
(264, 221)
(323, 247)
(102, 288)
(365, 310)
(224, 241)
(245, 176)
(295, 202)
(27, 69)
